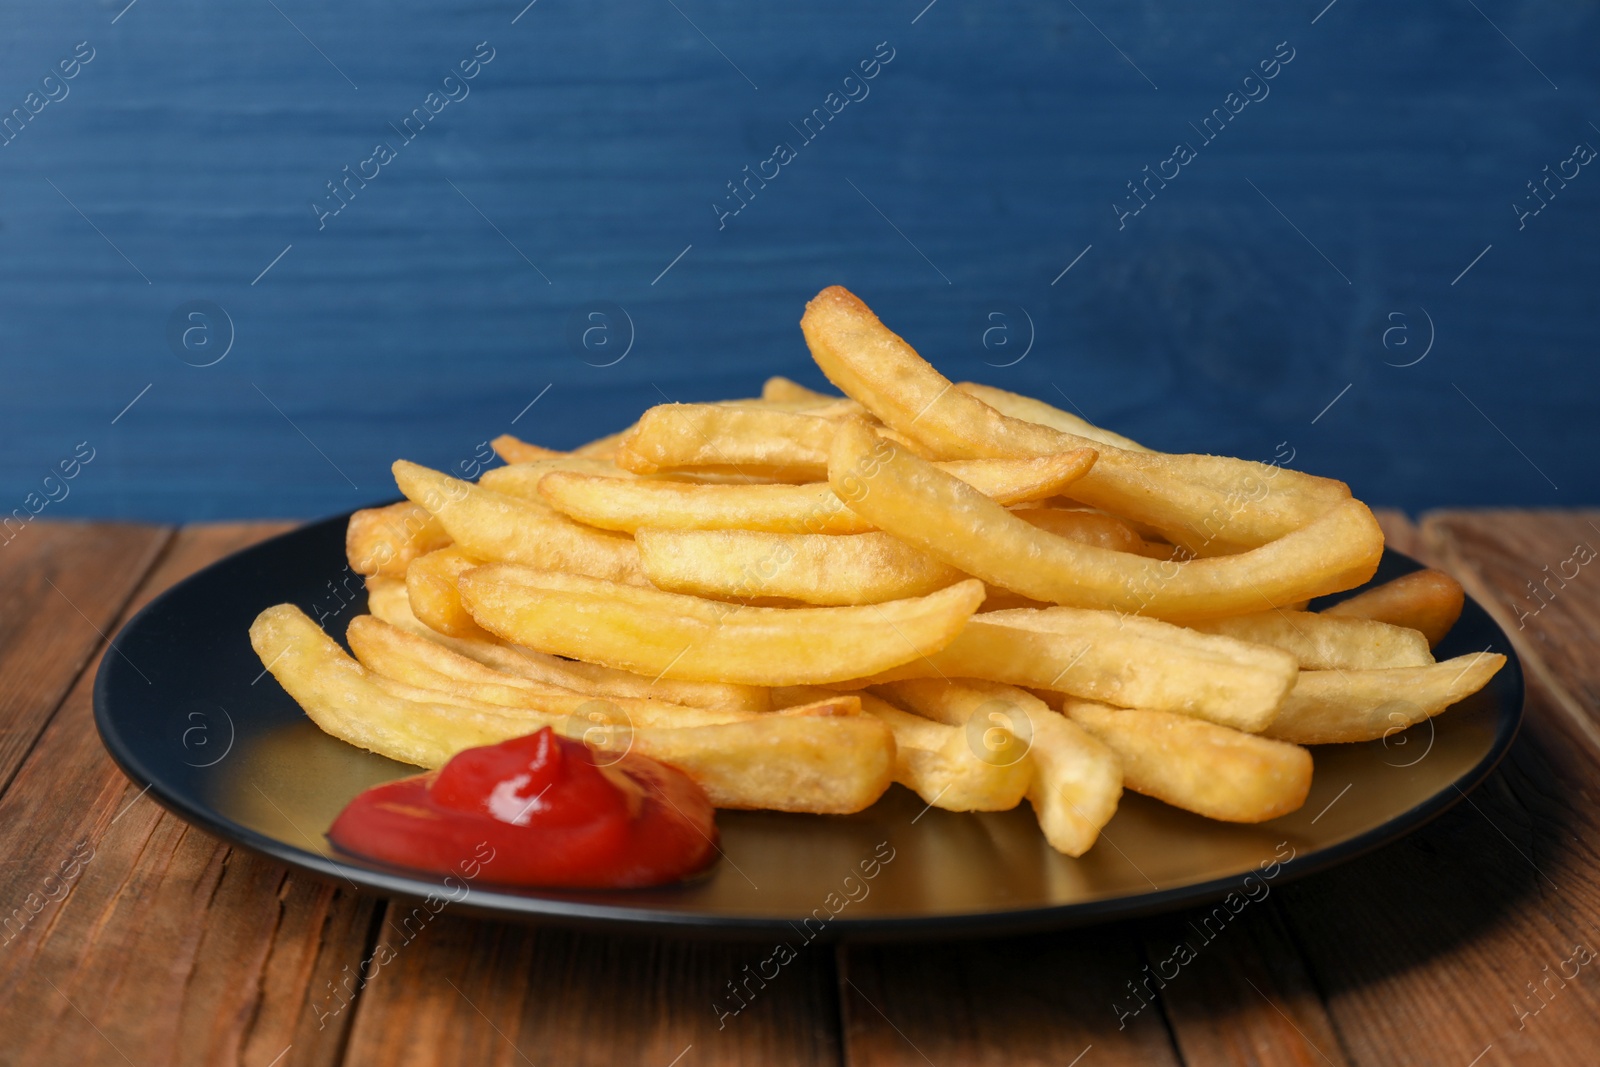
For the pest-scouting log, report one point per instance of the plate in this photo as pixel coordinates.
(183, 705)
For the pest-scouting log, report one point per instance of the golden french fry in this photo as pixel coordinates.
(783, 391)
(495, 526)
(522, 479)
(823, 764)
(384, 541)
(515, 450)
(387, 600)
(1199, 766)
(431, 589)
(1026, 408)
(809, 763)
(832, 705)
(1120, 659)
(628, 505)
(1077, 780)
(1429, 601)
(415, 661)
(906, 496)
(677, 636)
(866, 568)
(943, 767)
(674, 436)
(1208, 504)
(1091, 528)
(1327, 642)
(1329, 707)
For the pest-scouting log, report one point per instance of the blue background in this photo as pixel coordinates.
(1303, 252)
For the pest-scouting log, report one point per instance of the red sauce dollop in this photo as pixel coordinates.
(552, 816)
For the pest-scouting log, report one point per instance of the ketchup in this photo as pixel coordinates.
(552, 816)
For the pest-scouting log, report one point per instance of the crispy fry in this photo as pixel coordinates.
(762, 439)
(384, 541)
(898, 493)
(1199, 766)
(795, 509)
(1091, 528)
(676, 636)
(522, 479)
(1026, 408)
(825, 569)
(1429, 601)
(386, 599)
(515, 450)
(431, 589)
(781, 390)
(494, 526)
(1324, 642)
(943, 767)
(1208, 504)
(1126, 660)
(823, 764)
(1329, 707)
(1077, 780)
(391, 652)
(827, 764)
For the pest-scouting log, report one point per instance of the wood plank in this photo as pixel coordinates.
(1514, 562)
(1244, 996)
(163, 946)
(1448, 948)
(61, 587)
(1049, 999)
(459, 990)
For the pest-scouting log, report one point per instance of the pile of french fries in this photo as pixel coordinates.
(800, 599)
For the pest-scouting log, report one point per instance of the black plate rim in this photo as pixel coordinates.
(620, 917)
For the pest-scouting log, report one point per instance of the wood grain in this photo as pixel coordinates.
(1022, 1001)
(1431, 950)
(460, 990)
(61, 587)
(163, 946)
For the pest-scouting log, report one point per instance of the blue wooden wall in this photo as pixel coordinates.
(1345, 232)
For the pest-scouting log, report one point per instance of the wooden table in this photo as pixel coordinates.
(134, 938)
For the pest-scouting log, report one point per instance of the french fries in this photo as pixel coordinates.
(1126, 660)
(492, 525)
(597, 499)
(896, 491)
(431, 591)
(1327, 642)
(677, 636)
(762, 439)
(1091, 528)
(1427, 601)
(1335, 707)
(824, 569)
(1026, 408)
(943, 558)
(1076, 779)
(1208, 504)
(515, 450)
(384, 541)
(824, 764)
(942, 766)
(781, 390)
(1199, 766)
(415, 661)
(387, 600)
